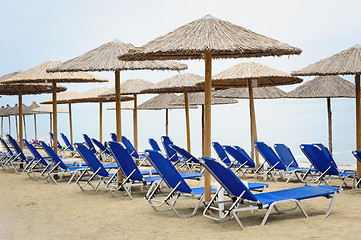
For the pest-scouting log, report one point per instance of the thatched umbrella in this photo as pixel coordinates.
(132, 86)
(251, 74)
(64, 98)
(180, 83)
(208, 38)
(4, 113)
(31, 108)
(325, 87)
(159, 102)
(13, 84)
(38, 74)
(15, 112)
(347, 62)
(197, 98)
(2, 109)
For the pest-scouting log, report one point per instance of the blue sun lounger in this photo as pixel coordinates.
(19, 159)
(97, 172)
(322, 160)
(60, 168)
(240, 155)
(68, 146)
(242, 199)
(180, 190)
(6, 156)
(221, 153)
(113, 137)
(104, 151)
(132, 174)
(60, 148)
(90, 144)
(39, 164)
(190, 161)
(276, 166)
(131, 149)
(357, 155)
(154, 144)
(171, 153)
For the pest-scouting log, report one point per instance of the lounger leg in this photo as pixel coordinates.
(237, 219)
(330, 206)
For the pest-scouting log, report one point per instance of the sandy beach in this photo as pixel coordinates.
(40, 210)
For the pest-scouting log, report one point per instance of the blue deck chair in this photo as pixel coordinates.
(40, 164)
(285, 155)
(154, 144)
(276, 166)
(113, 136)
(357, 155)
(60, 148)
(131, 172)
(100, 173)
(9, 153)
(221, 153)
(240, 155)
(131, 149)
(19, 159)
(170, 152)
(324, 164)
(190, 161)
(68, 146)
(180, 190)
(242, 199)
(90, 144)
(104, 151)
(60, 168)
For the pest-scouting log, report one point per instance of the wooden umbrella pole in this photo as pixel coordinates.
(51, 122)
(202, 130)
(101, 121)
(9, 126)
(20, 117)
(188, 128)
(2, 126)
(166, 121)
(253, 123)
(36, 132)
(26, 137)
(118, 114)
(71, 125)
(135, 122)
(16, 126)
(207, 121)
(55, 120)
(358, 120)
(329, 115)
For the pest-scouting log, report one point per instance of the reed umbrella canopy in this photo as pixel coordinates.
(325, 87)
(258, 93)
(208, 38)
(347, 62)
(197, 98)
(38, 74)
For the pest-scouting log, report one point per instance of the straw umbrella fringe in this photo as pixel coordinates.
(208, 38)
(347, 62)
(38, 74)
(252, 74)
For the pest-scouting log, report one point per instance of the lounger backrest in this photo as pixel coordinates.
(100, 146)
(269, 155)
(285, 155)
(66, 141)
(92, 161)
(357, 154)
(5, 145)
(56, 159)
(89, 142)
(318, 159)
(229, 181)
(167, 171)
(125, 160)
(185, 153)
(16, 147)
(154, 144)
(221, 153)
(35, 152)
(131, 149)
(113, 136)
(327, 153)
(52, 139)
(239, 155)
(171, 153)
